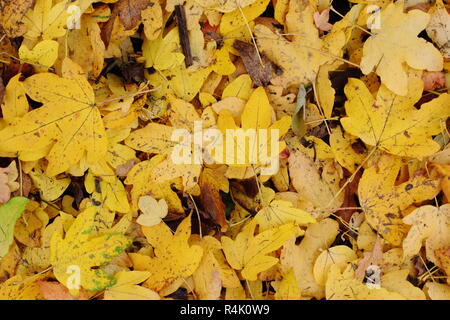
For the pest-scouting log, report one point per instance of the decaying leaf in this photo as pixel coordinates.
(384, 202)
(81, 249)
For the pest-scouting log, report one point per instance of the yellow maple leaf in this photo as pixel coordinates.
(239, 17)
(318, 185)
(163, 53)
(384, 202)
(224, 5)
(212, 272)
(337, 255)
(17, 288)
(287, 288)
(152, 18)
(107, 189)
(280, 212)
(50, 188)
(223, 64)
(319, 236)
(159, 139)
(249, 253)
(344, 286)
(341, 144)
(430, 225)
(300, 58)
(15, 102)
(139, 177)
(81, 249)
(394, 42)
(174, 258)
(44, 53)
(256, 117)
(127, 288)
(184, 83)
(47, 20)
(87, 39)
(69, 116)
(391, 122)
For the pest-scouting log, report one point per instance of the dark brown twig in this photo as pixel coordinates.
(183, 33)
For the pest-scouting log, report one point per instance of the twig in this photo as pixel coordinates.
(198, 216)
(251, 35)
(184, 36)
(20, 178)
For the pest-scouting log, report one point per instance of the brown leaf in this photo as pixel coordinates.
(25, 188)
(213, 205)
(56, 291)
(370, 258)
(351, 191)
(260, 74)
(129, 12)
(11, 14)
(211, 182)
(133, 72)
(123, 169)
(15, 68)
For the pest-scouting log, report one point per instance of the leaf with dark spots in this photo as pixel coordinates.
(261, 73)
(11, 14)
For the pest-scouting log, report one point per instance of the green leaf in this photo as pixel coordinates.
(9, 213)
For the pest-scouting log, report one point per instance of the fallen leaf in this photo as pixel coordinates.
(248, 253)
(391, 122)
(396, 43)
(153, 211)
(384, 202)
(174, 257)
(80, 249)
(68, 106)
(438, 28)
(428, 225)
(127, 287)
(9, 213)
(56, 291)
(258, 66)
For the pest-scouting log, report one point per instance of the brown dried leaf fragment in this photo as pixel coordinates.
(260, 73)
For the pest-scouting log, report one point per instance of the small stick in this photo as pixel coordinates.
(183, 33)
(198, 216)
